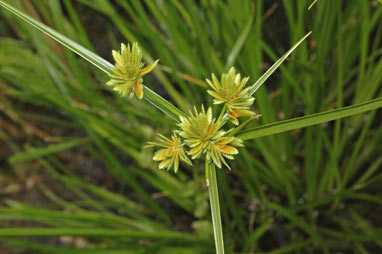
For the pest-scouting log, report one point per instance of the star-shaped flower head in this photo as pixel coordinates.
(204, 136)
(172, 151)
(128, 71)
(231, 91)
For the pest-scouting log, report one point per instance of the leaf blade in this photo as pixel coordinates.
(164, 105)
(96, 232)
(269, 72)
(300, 223)
(239, 43)
(305, 121)
(94, 59)
(35, 153)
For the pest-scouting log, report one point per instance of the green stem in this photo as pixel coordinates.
(215, 208)
(242, 125)
(222, 113)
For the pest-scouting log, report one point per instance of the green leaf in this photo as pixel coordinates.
(312, 4)
(239, 43)
(100, 232)
(305, 121)
(350, 236)
(153, 98)
(269, 72)
(299, 222)
(291, 248)
(255, 236)
(75, 47)
(35, 153)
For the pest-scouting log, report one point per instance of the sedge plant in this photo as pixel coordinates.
(200, 134)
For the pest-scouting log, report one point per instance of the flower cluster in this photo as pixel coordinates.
(172, 151)
(232, 92)
(200, 134)
(203, 134)
(128, 71)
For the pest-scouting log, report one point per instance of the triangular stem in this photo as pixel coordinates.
(215, 207)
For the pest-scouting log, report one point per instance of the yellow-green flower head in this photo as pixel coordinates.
(231, 90)
(219, 149)
(128, 70)
(204, 136)
(172, 151)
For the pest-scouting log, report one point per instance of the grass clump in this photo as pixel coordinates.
(71, 152)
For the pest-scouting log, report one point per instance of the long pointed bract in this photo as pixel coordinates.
(152, 97)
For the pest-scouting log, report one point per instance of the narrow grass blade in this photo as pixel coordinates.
(312, 4)
(350, 236)
(93, 58)
(299, 222)
(35, 153)
(75, 47)
(269, 72)
(291, 248)
(130, 248)
(45, 248)
(239, 43)
(100, 232)
(305, 121)
(253, 238)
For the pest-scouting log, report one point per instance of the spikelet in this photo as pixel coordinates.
(128, 71)
(172, 151)
(231, 90)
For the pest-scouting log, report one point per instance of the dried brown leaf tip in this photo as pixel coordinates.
(128, 71)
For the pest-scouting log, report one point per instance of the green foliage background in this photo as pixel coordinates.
(75, 179)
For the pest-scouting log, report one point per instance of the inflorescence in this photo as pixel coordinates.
(128, 71)
(200, 134)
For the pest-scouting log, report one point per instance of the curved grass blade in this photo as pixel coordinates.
(350, 236)
(94, 59)
(269, 72)
(98, 232)
(132, 248)
(255, 236)
(35, 153)
(239, 43)
(300, 223)
(305, 121)
(292, 248)
(155, 99)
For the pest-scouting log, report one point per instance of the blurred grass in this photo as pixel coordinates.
(302, 191)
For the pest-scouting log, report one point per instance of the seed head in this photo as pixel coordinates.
(231, 91)
(203, 135)
(172, 151)
(128, 71)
